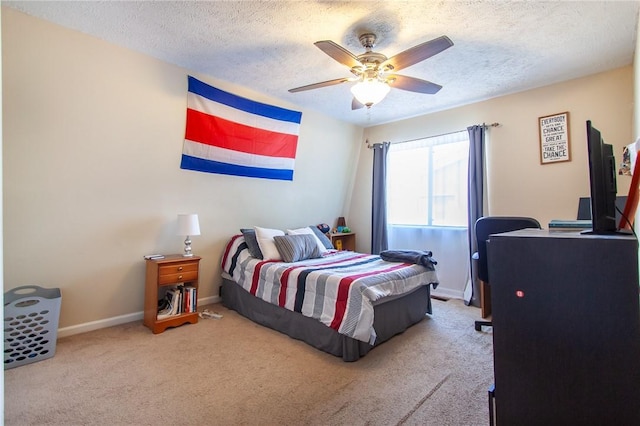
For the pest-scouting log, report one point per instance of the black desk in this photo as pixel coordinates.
(566, 328)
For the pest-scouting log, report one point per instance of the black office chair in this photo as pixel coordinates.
(484, 227)
(584, 208)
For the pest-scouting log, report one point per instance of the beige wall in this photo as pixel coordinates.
(636, 112)
(636, 86)
(1, 230)
(517, 183)
(92, 142)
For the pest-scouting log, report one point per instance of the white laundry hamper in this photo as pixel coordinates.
(31, 316)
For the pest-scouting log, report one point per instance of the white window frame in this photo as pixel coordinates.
(429, 143)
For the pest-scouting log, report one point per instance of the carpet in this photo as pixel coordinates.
(231, 371)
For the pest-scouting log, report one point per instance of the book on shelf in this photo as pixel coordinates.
(171, 305)
(178, 300)
(191, 296)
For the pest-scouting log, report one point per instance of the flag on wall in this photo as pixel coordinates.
(232, 135)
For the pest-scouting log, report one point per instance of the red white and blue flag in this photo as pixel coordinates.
(232, 135)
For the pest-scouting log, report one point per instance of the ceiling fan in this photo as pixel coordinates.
(375, 73)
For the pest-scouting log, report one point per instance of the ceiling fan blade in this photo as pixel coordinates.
(338, 53)
(418, 53)
(413, 84)
(355, 104)
(319, 85)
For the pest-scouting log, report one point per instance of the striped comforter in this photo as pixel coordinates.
(338, 289)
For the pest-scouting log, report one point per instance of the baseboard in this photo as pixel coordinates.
(209, 300)
(122, 319)
(447, 293)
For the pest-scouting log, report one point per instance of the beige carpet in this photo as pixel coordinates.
(234, 372)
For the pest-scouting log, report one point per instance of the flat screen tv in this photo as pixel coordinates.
(602, 180)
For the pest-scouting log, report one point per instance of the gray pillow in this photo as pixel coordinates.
(295, 247)
(323, 238)
(252, 242)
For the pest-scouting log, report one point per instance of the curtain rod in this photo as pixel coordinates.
(484, 125)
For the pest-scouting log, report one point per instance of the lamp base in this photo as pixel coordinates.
(187, 248)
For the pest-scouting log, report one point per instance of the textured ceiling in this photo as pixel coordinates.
(500, 47)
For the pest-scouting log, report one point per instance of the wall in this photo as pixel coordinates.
(636, 86)
(636, 113)
(1, 231)
(517, 183)
(92, 142)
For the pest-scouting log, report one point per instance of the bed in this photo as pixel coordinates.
(341, 302)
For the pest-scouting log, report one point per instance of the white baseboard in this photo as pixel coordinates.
(122, 319)
(447, 293)
(209, 300)
(137, 316)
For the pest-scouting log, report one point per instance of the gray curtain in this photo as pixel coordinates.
(475, 200)
(379, 238)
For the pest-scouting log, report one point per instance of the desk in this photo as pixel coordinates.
(566, 328)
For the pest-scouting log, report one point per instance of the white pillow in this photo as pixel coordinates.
(307, 230)
(267, 244)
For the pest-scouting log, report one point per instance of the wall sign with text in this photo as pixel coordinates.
(554, 138)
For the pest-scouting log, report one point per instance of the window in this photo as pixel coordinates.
(427, 181)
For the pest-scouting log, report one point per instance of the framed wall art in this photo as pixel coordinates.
(554, 138)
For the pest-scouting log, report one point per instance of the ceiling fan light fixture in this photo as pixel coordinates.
(373, 70)
(370, 91)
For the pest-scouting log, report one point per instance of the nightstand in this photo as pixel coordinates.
(173, 271)
(344, 240)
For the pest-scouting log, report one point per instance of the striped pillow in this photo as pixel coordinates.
(307, 230)
(293, 248)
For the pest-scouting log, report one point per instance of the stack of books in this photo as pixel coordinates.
(178, 300)
(569, 225)
(154, 256)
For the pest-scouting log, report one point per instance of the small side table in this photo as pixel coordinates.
(344, 240)
(172, 270)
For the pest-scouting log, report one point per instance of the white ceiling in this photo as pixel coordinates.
(500, 47)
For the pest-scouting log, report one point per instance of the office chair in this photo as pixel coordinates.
(584, 208)
(484, 227)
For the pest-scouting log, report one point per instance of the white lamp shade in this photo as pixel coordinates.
(370, 91)
(188, 224)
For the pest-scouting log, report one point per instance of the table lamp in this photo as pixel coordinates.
(188, 225)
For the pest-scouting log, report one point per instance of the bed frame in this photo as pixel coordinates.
(391, 317)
